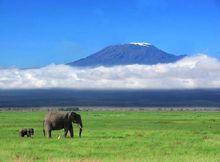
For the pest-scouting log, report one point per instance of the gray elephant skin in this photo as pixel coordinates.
(62, 120)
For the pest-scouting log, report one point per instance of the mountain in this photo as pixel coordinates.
(127, 54)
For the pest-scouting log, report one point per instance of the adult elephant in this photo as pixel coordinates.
(62, 120)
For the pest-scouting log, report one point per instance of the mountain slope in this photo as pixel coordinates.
(126, 54)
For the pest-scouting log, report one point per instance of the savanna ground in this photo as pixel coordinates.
(116, 136)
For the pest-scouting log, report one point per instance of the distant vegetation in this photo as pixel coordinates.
(108, 108)
(116, 136)
(119, 98)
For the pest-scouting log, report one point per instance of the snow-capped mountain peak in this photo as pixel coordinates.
(127, 54)
(140, 43)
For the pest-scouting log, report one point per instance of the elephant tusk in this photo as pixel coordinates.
(79, 126)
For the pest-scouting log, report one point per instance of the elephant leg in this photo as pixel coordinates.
(48, 130)
(28, 134)
(71, 132)
(65, 132)
(49, 133)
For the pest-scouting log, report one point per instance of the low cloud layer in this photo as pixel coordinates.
(198, 71)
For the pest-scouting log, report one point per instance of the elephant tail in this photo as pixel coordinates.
(43, 128)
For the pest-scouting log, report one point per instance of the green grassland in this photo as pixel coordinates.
(116, 136)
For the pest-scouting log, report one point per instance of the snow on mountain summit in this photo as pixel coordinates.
(140, 43)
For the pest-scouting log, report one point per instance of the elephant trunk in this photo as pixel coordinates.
(80, 127)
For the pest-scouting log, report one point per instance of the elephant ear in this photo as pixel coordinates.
(71, 115)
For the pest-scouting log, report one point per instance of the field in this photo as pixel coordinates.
(116, 136)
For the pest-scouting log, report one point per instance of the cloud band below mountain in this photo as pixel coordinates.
(198, 71)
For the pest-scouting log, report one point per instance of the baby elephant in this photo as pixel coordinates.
(26, 132)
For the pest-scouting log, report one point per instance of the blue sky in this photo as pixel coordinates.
(36, 33)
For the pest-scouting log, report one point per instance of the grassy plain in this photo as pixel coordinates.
(116, 136)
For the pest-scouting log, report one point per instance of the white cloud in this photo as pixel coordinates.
(198, 71)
